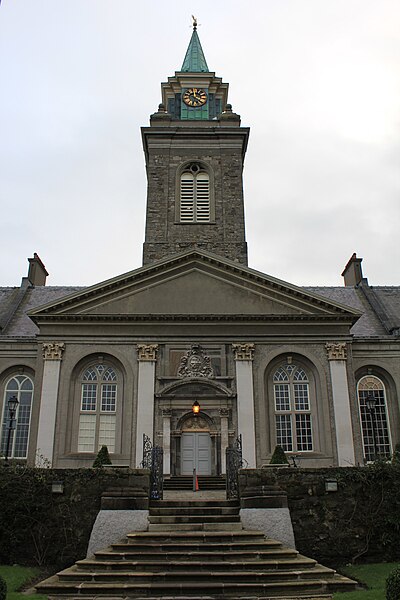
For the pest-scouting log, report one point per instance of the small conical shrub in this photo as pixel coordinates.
(279, 457)
(393, 585)
(396, 454)
(102, 458)
(3, 589)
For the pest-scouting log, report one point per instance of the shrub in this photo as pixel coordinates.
(3, 589)
(102, 458)
(396, 454)
(393, 585)
(279, 457)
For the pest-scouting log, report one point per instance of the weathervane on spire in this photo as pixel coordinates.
(194, 22)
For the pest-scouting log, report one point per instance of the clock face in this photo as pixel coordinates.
(195, 97)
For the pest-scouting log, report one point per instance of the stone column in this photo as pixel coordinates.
(52, 354)
(145, 398)
(337, 356)
(243, 354)
(224, 414)
(166, 413)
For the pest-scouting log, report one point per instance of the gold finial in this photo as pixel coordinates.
(194, 22)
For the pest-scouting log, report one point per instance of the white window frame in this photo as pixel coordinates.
(98, 410)
(20, 414)
(372, 384)
(287, 413)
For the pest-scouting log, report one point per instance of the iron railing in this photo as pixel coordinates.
(234, 462)
(153, 460)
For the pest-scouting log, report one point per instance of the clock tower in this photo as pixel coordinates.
(195, 149)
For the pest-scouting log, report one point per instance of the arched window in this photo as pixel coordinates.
(194, 195)
(98, 408)
(20, 386)
(293, 420)
(374, 422)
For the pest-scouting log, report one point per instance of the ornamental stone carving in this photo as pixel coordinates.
(196, 423)
(195, 363)
(336, 350)
(147, 352)
(243, 351)
(53, 350)
(224, 413)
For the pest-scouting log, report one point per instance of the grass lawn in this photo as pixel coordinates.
(374, 576)
(15, 578)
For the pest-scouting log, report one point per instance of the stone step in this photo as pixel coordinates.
(186, 576)
(222, 562)
(244, 535)
(186, 483)
(194, 510)
(283, 554)
(210, 588)
(203, 526)
(194, 503)
(199, 518)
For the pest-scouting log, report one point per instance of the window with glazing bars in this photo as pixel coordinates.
(97, 420)
(293, 419)
(21, 387)
(374, 421)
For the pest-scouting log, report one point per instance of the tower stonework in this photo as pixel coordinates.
(195, 149)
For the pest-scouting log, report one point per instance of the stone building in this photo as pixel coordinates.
(315, 370)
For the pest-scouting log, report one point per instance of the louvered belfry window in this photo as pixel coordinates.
(195, 195)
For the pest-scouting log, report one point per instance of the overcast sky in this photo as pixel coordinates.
(317, 81)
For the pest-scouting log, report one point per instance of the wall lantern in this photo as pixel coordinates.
(12, 405)
(57, 487)
(370, 403)
(331, 485)
(195, 408)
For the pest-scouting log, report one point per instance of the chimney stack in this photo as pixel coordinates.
(37, 271)
(352, 272)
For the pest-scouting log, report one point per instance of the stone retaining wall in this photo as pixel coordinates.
(359, 521)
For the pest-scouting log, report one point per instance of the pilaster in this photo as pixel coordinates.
(52, 355)
(224, 415)
(147, 356)
(243, 355)
(337, 357)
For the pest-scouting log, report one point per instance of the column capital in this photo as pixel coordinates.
(336, 350)
(53, 350)
(224, 413)
(243, 351)
(147, 352)
(166, 413)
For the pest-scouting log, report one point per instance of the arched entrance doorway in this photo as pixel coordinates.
(180, 429)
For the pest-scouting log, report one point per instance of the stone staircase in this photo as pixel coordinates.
(185, 482)
(196, 550)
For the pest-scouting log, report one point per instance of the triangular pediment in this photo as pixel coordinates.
(194, 284)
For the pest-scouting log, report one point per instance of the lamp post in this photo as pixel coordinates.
(370, 405)
(12, 404)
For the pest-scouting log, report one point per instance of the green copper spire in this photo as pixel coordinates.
(195, 61)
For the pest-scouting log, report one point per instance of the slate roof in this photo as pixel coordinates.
(368, 325)
(21, 324)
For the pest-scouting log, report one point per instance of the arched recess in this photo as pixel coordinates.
(97, 405)
(379, 419)
(216, 419)
(195, 201)
(296, 415)
(16, 381)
